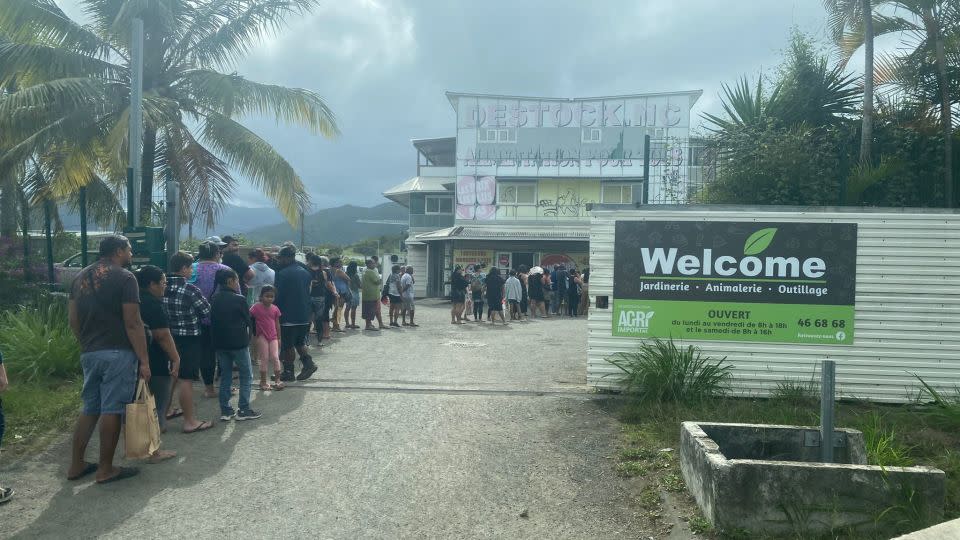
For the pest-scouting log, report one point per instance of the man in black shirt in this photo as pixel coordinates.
(232, 258)
(293, 283)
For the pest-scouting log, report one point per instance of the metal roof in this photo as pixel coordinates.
(440, 152)
(508, 232)
(418, 184)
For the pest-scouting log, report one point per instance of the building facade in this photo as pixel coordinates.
(512, 187)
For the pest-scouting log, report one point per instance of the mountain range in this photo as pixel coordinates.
(336, 226)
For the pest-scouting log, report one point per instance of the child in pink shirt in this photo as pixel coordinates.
(266, 340)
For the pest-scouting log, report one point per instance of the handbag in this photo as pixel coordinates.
(141, 430)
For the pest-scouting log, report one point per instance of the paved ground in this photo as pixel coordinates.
(440, 431)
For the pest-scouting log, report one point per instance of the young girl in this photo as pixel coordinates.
(266, 317)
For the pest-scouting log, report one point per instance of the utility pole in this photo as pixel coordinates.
(135, 132)
(302, 234)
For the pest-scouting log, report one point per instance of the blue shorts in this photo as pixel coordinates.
(109, 381)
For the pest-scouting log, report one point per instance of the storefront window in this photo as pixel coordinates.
(516, 194)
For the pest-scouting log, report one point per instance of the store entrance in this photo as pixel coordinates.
(524, 259)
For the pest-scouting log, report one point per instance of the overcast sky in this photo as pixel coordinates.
(383, 67)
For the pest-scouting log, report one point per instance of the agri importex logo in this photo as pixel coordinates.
(634, 321)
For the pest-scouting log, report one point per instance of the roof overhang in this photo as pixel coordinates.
(440, 152)
(419, 184)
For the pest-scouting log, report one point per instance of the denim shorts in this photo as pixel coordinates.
(109, 381)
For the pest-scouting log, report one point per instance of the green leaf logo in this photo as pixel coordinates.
(759, 241)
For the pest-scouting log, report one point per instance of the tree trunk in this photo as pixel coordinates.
(945, 116)
(866, 134)
(146, 174)
(8, 208)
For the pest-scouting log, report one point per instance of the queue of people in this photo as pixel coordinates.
(524, 292)
(199, 322)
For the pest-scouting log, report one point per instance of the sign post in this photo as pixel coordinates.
(735, 281)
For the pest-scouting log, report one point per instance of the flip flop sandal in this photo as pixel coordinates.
(175, 414)
(160, 456)
(88, 468)
(122, 474)
(205, 425)
(279, 387)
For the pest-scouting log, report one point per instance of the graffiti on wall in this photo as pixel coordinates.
(568, 204)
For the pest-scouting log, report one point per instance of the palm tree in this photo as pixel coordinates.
(851, 17)
(924, 25)
(75, 87)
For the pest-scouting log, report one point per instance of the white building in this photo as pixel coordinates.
(512, 187)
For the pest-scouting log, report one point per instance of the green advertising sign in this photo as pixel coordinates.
(735, 281)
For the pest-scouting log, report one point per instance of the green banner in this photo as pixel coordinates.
(732, 321)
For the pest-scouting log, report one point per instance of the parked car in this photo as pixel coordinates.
(67, 270)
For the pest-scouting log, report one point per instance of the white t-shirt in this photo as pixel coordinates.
(406, 280)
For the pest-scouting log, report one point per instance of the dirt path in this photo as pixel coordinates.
(440, 431)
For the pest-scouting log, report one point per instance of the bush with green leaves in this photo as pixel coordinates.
(660, 371)
(37, 342)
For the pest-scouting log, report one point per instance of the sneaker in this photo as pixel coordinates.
(227, 416)
(248, 414)
(307, 371)
(5, 494)
(287, 376)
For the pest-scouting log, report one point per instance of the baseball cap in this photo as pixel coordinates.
(227, 238)
(215, 240)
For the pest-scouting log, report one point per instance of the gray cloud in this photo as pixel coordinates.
(383, 66)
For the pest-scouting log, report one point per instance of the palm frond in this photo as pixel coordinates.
(229, 32)
(258, 161)
(205, 180)
(31, 63)
(42, 21)
(103, 206)
(233, 95)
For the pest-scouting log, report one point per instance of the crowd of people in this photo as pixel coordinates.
(199, 322)
(524, 292)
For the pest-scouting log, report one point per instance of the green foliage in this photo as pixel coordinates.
(660, 371)
(883, 445)
(946, 410)
(795, 392)
(35, 411)
(37, 342)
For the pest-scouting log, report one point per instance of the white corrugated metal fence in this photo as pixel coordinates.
(907, 306)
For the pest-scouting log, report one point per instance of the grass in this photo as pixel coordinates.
(660, 371)
(895, 436)
(35, 411)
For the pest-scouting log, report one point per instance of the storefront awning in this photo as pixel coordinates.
(508, 233)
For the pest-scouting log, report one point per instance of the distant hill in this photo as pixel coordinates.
(333, 226)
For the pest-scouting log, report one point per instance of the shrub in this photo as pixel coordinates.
(660, 371)
(37, 341)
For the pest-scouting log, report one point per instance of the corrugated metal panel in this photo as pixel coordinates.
(907, 307)
(417, 258)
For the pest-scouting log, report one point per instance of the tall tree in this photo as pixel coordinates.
(923, 25)
(856, 17)
(75, 95)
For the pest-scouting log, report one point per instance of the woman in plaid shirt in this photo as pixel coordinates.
(186, 307)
